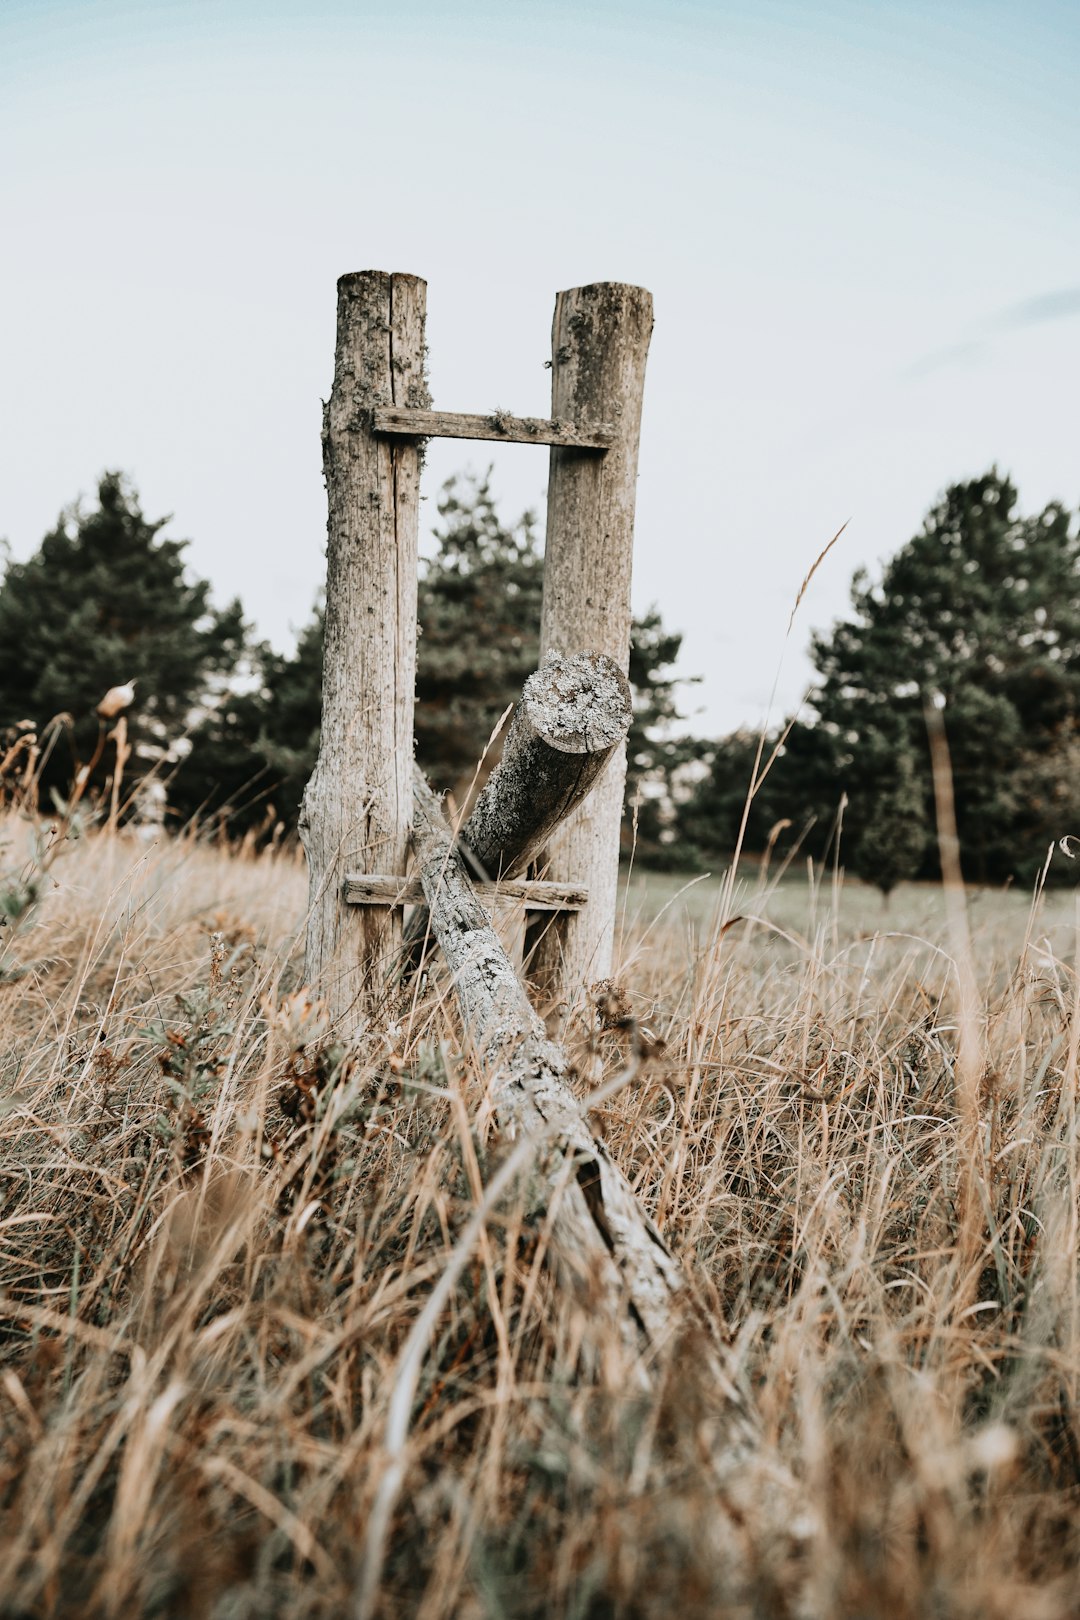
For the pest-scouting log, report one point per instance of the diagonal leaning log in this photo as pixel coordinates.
(601, 1235)
(601, 1232)
(573, 715)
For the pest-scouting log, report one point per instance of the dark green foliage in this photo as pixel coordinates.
(106, 600)
(657, 755)
(252, 754)
(983, 608)
(714, 811)
(895, 834)
(479, 640)
(793, 807)
(980, 610)
(479, 612)
(1046, 798)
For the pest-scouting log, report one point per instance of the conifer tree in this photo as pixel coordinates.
(479, 610)
(981, 610)
(892, 844)
(479, 640)
(106, 602)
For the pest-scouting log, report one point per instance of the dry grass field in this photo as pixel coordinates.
(216, 1231)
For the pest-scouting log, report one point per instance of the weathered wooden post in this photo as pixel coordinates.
(599, 345)
(357, 807)
(356, 812)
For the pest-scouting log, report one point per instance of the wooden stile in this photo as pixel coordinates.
(357, 807)
(357, 815)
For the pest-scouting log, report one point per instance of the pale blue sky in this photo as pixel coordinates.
(859, 223)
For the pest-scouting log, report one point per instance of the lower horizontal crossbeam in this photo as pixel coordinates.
(377, 889)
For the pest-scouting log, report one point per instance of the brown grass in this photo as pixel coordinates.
(216, 1233)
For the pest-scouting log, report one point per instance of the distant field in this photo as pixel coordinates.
(216, 1231)
(999, 918)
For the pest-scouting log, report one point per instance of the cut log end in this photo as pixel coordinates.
(353, 279)
(580, 704)
(574, 712)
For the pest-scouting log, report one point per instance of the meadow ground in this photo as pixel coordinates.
(216, 1231)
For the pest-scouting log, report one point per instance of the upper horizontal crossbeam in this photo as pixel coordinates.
(499, 426)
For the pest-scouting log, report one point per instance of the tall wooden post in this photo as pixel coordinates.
(600, 342)
(358, 804)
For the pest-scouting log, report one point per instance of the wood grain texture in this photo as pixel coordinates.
(357, 807)
(604, 1244)
(600, 343)
(499, 427)
(603, 1239)
(573, 715)
(536, 895)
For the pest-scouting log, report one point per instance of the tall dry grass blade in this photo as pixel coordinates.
(970, 1018)
(799, 1142)
(814, 566)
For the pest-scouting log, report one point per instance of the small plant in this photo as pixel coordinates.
(193, 1052)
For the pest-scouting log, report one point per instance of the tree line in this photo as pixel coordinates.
(230, 724)
(977, 616)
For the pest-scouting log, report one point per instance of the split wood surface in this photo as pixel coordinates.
(572, 717)
(573, 714)
(619, 1260)
(361, 890)
(357, 807)
(599, 345)
(616, 1255)
(499, 427)
(604, 1244)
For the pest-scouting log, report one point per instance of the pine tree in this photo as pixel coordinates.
(980, 610)
(106, 601)
(479, 629)
(658, 752)
(795, 803)
(479, 608)
(253, 751)
(479, 640)
(895, 833)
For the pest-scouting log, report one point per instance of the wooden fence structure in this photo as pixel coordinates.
(358, 807)
(558, 787)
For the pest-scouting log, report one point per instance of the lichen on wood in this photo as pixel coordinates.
(573, 714)
(599, 344)
(603, 1237)
(357, 805)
